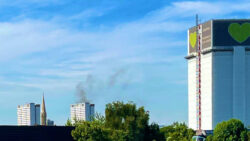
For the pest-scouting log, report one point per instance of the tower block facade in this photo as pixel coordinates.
(224, 72)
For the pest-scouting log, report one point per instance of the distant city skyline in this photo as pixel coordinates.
(33, 114)
(117, 50)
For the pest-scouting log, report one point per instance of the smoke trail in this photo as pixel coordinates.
(84, 88)
(114, 78)
(81, 92)
(92, 85)
(89, 82)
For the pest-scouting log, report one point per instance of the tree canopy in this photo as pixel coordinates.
(122, 122)
(126, 122)
(177, 132)
(90, 131)
(68, 123)
(231, 130)
(127, 117)
(248, 135)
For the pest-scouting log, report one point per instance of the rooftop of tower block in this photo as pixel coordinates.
(220, 34)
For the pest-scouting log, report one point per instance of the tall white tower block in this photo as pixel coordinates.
(225, 72)
(82, 111)
(28, 114)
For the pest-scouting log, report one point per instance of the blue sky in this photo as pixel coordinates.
(119, 50)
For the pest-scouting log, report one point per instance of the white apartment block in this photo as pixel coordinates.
(82, 111)
(28, 114)
(225, 74)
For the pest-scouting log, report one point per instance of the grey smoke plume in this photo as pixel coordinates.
(114, 78)
(91, 85)
(83, 88)
(89, 82)
(81, 92)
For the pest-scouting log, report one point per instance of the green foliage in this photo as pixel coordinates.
(123, 122)
(243, 136)
(72, 123)
(98, 117)
(117, 135)
(209, 138)
(153, 133)
(90, 131)
(177, 132)
(231, 130)
(68, 123)
(128, 118)
(248, 135)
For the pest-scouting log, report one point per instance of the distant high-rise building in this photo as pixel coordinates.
(49, 122)
(28, 114)
(92, 110)
(82, 111)
(43, 113)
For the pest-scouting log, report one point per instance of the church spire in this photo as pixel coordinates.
(43, 113)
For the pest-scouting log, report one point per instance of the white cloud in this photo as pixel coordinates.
(29, 36)
(124, 44)
(38, 83)
(190, 7)
(178, 11)
(63, 73)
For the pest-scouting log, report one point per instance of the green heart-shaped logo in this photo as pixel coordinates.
(239, 33)
(192, 39)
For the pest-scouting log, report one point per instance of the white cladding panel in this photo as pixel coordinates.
(192, 93)
(206, 91)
